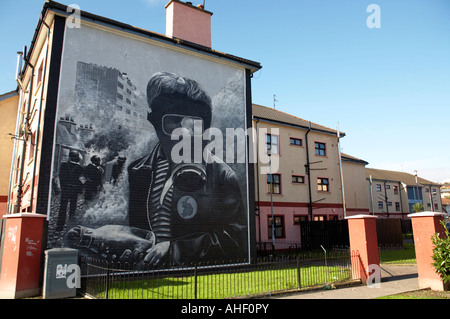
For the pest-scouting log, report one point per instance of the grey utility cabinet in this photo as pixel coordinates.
(61, 274)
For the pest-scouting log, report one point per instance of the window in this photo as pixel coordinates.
(120, 85)
(320, 148)
(298, 179)
(395, 190)
(388, 186)
(319, 218)
(380, 205)
(414, 193)
(272, 144)
(389, 203)
(323, 184)
(378, 187)
(299, 219)
(40, 73)
(295, 141)
(32, 146)
(436, 206)
(397, 206)
(274, 181)
(279, 227)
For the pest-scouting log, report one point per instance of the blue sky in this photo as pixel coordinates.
(388, 87)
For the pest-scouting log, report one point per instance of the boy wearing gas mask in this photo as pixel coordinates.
(194, 208)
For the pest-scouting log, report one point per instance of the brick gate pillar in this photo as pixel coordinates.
(362, 231)
(426, 225)
(21, 255)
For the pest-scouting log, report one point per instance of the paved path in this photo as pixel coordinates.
(394, 279)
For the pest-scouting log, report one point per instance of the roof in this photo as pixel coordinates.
(276, 116)
(352, 159)
(405, 178)
(8, 95)
(62, 9)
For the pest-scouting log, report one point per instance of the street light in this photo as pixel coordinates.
(269, 153)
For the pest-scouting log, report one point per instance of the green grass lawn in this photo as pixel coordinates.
(407, 255)
(239, 284)
(227, 285)
(420, 294)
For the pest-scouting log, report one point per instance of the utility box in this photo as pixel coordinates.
(62, 273)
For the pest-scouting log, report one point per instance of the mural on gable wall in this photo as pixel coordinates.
(118, 191)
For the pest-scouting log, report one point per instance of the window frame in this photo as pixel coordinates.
(281, 226)
(269, 185)
(272, 144)
(316, 149)
(321, 184)
(295, 175)
(295, 139)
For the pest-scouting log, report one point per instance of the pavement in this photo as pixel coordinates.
(395, 279)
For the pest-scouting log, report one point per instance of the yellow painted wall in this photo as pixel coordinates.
(8, 110)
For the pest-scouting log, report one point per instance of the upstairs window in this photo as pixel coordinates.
(295, 141)
(320, 148)
(272, 144)
(274, 183)
(297, 179)
(323, 184)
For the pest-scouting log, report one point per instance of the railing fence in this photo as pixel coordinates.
(239, 279)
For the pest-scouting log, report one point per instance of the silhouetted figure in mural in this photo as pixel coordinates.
(71, 186)
(93, 174)
(178, 211)
(117, 169)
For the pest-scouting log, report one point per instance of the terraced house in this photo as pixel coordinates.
(303, 180)
(393, 194)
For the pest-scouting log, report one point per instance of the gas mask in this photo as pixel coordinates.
(187, 177)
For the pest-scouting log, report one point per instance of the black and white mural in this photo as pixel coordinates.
(142, 169)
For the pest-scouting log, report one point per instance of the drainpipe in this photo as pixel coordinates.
(400, 196)
(38, 129)
(308, 172)
(25, 138)
(341, 174)
(16, 133)
(386, 199)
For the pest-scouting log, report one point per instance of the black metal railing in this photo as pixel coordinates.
(240, 279)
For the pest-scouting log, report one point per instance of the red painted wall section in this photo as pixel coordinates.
(425, 225)
(363, 239)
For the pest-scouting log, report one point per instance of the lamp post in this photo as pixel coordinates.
(269, 153)
(417, 186)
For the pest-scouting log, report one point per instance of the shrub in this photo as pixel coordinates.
(441, 254)
(418, 207)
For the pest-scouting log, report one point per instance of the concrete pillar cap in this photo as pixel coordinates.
(361, 216)
(426, 214)
(21, 215)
